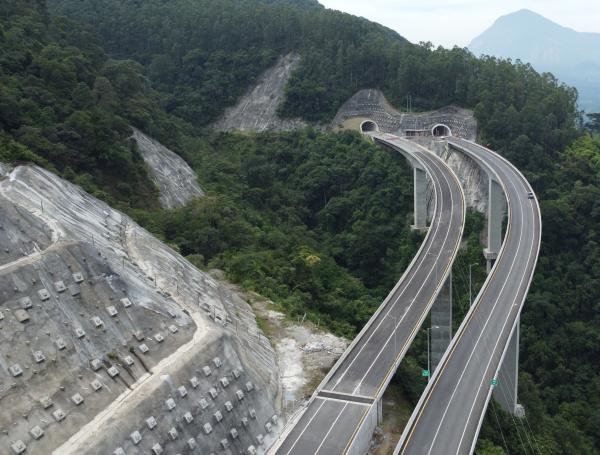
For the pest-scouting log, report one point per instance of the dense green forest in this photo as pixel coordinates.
(289, 214)
(203, 53)
(316, 222)
(66, 105)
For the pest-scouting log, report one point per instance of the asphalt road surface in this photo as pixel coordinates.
(339, 406)
(448, 416)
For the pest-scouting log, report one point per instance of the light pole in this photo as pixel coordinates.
(428, 361)
(470, 284)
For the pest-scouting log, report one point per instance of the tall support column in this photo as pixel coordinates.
(420, 208)
(505, 391)
(380, 411)
(494, 222)
(441, 323)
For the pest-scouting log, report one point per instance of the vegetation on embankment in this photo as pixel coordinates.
(317, 222)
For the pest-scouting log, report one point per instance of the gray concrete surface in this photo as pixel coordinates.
(20, 233)
(95, 290)
(257, 109)
(506, 393)
(449, 414)
(495, 216)
(175, 179)
(371, 104)
(420, 198)
(473, 179)
(440, 332)
(337, 418)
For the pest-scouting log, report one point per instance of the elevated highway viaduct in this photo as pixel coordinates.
(483, 356)
(342, 413)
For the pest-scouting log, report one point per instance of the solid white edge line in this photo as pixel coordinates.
(418, 256)
(526, 184)
(510, 311)
(476, 344)
(431, 384)
(438, 288)
(437, 160)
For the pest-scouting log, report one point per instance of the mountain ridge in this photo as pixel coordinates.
(572, 56)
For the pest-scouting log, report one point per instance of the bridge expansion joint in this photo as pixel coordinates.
(361, 399)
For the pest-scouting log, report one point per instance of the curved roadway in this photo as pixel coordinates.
(449, 414)
(338, 409)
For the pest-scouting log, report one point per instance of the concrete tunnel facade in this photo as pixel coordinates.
(368, 126)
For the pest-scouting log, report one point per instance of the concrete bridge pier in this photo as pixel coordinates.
(505, 392)
(420, 204)
(494, 222)
(441, 323)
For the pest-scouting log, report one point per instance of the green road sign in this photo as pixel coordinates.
(494, 381)
(425, 373)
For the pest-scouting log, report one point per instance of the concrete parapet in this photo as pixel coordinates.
(420, 199)
(505, 392)
(494, 222)
(441, 323)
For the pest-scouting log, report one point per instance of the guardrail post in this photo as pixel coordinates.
(420, 185)
(441, 323)
(494, 221)
(505, 392)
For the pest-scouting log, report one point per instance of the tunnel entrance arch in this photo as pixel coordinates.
(369, 126)
(441, 130)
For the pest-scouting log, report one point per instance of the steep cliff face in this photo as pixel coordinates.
(473, 179)
(111, 342)
(257, 110)
(176, 181)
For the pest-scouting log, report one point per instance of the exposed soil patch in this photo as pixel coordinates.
(305, 353)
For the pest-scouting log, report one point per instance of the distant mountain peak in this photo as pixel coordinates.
(572, 56)
(527, 13)
(529, 19)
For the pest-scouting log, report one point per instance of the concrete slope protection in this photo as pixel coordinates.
(342, 413)
(113, 343)
(257, 109)
(449, 414)
(175, 179)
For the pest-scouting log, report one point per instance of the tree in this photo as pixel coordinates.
(594, 122)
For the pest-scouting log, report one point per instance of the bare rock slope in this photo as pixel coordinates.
(257, 109)
(112, 343)
(472, 178)
(176, 181)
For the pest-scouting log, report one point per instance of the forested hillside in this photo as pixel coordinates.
(204, 53)
(65, 104)
(317, 222)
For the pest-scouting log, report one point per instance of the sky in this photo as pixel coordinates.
(456, 22)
